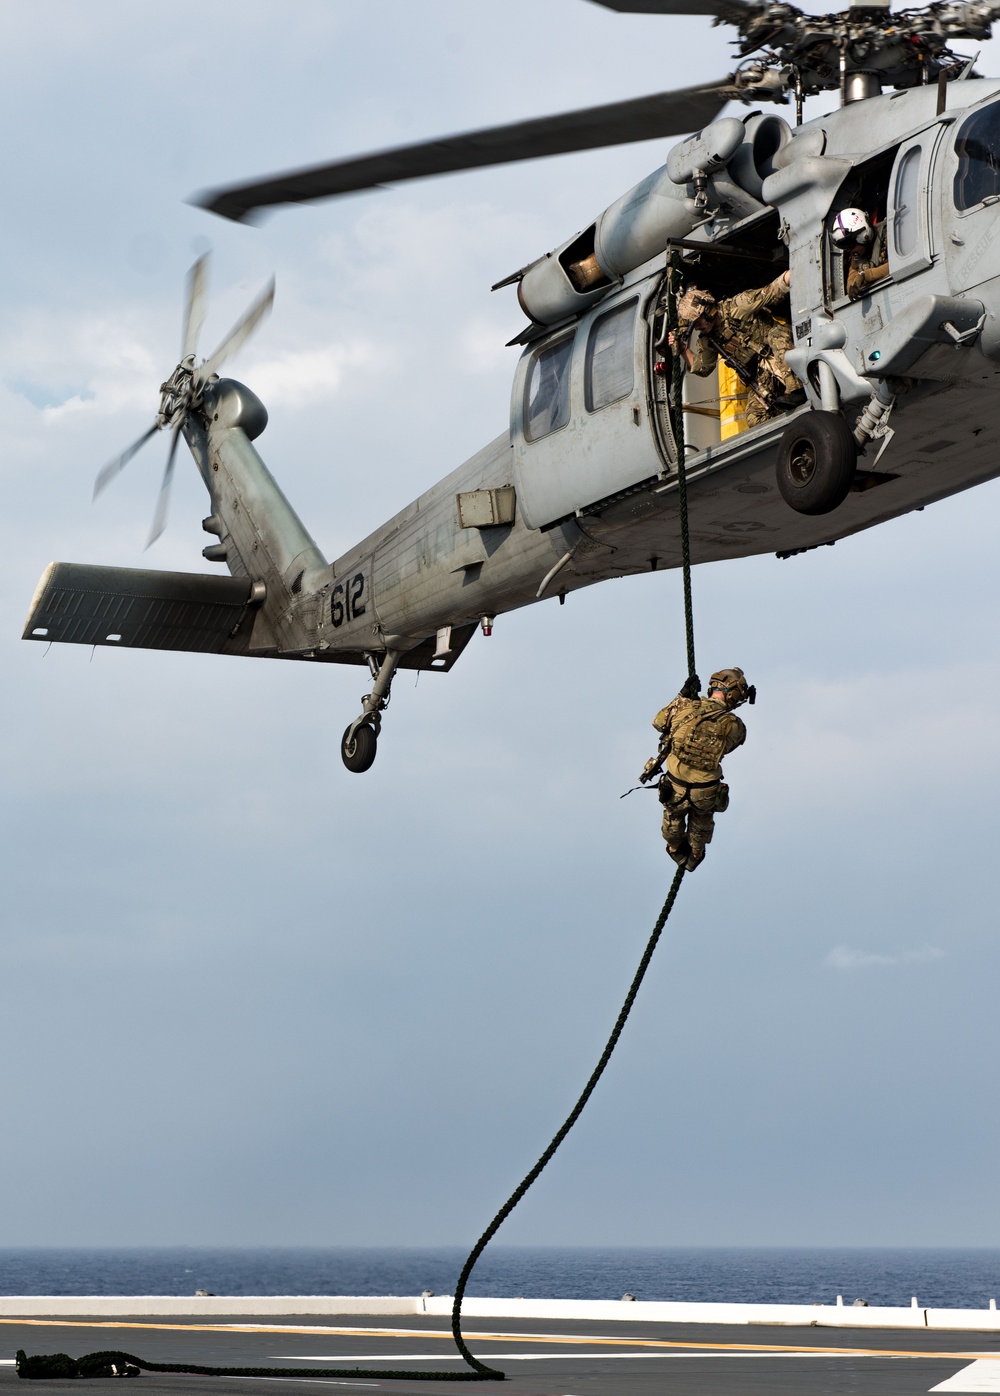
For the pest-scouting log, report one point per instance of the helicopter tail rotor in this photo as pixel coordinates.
(237, 336)
(181, 394)
(163, 499)
(195, 305)
(116, 466)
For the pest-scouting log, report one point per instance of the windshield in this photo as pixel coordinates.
(978, 148)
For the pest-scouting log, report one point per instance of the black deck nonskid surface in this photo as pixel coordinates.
(540, 1358)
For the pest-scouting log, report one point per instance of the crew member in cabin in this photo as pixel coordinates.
(863, 243)
(695, 734)
(749, 332)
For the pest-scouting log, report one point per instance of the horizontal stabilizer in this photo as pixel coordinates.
(135, 609)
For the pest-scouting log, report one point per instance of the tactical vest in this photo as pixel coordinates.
(737, 348)
(698, 737)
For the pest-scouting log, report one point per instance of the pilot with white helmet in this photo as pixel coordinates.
(864, 247)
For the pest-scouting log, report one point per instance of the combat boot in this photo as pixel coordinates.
(680, 854)
(695, 856)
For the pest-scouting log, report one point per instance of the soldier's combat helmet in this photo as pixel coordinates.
(734, 687)
(693, 305)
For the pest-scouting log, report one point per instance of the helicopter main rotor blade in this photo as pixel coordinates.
(119, 463)
(163, 500)
(617, 123)
(718, 9)
(195, 305)
(237, 336)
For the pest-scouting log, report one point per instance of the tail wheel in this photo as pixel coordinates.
(817, 458)
(358, 749)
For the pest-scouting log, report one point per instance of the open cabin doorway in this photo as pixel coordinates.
(750, 256)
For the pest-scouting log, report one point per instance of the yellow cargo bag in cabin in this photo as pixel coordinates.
(732, 402)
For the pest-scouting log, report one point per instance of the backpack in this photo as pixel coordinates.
(698, 737)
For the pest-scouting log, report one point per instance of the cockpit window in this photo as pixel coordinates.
(978, 148)
(547, 394)
(610, 368)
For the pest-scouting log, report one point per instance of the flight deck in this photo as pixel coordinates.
(540, 1357)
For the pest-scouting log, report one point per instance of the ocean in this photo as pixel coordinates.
(938, 1278)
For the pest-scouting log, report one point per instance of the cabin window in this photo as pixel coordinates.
(610, 367)
(547, 393)
(906, 223)
(978, 148)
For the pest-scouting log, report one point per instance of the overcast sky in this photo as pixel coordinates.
(251, 998)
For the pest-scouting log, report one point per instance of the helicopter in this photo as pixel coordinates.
(584, 485)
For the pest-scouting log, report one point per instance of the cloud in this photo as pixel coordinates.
(67, 366)
(847, 958)
(188, 872)
(483, 348)
(310, 375)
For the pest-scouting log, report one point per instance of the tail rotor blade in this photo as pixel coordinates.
(163, 502)
(195, 305)
(119, 463)
(238, 335)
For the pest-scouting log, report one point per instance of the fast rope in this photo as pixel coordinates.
(571, 1119)
(674, 278)
(57, 1366)
(107, 1364)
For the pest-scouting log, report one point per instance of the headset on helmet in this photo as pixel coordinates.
(734, 687)
(851, 228)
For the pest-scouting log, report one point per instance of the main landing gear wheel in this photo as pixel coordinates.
(358, 751)
(817, 458)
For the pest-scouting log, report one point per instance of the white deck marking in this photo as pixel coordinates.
(981, 1375)
(308, 1381)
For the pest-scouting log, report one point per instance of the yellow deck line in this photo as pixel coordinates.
(568, 1339)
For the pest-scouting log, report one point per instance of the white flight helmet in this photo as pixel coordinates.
(851, 228)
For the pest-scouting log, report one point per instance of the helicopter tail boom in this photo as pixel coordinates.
(259, 534)
(265, 607)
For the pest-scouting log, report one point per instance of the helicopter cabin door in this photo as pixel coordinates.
(579, 417)
(911, 247)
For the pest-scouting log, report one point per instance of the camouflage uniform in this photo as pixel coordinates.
(747, 335)
(698, 733)
(867, 264)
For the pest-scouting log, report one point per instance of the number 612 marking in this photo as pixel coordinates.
(346, 602)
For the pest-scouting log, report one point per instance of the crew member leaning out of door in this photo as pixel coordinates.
(748, 332)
